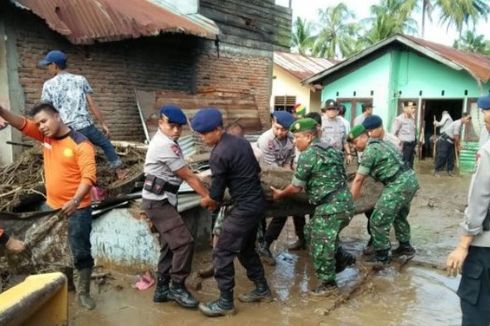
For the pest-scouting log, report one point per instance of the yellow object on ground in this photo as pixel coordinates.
(39, 300)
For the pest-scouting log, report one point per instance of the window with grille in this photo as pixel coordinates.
(284, 103)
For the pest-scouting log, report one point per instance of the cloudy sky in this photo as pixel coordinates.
(433, 31)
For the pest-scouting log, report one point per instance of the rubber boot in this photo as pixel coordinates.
(325, 289)
(179, 293)
(221, 307)
(82, 283)
(265, 253)
(404, 249)
(261, 293)
(380, 259)
(299, 244)
(162, 289)
(343, 259)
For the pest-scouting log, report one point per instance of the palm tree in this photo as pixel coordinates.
(337, 36)
(456, 12)
(472, 43)
(389, 18)
(302, 39)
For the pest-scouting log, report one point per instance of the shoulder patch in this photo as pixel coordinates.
(270, 144)
(176, 149)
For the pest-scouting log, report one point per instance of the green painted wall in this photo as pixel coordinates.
(374, 76)
(406, 72)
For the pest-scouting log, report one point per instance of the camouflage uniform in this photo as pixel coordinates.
(383, 162)
(321, 172)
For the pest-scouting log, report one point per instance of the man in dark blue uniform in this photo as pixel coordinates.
(233, 166)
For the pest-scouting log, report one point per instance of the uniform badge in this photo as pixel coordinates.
(271, 145)
(176, 150)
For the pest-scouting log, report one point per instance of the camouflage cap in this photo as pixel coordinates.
(305, 124)
(355, 132)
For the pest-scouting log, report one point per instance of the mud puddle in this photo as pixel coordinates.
(413, 296)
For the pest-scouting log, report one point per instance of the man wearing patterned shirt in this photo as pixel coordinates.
(71, 95)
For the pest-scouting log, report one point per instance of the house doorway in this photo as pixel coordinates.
(433, 109)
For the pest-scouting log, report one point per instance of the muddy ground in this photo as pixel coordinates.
(418, 294)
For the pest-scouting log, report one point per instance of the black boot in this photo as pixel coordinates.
(182, 296)
(380, 259)
(221, 307)
(162, 289)
(404, 249)
(265, 253)
(343, 259)
(326, 288)
(260, 293)
(299, 244)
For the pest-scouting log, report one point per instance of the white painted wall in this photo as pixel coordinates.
(284, 83)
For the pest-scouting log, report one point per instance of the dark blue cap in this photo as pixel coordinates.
(173, 114)
(484, 102)
(372, 122)
(56, 56)
(284, 118)
(207, 119)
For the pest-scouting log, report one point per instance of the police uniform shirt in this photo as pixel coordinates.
(359, 119)
(390, 138)
(233, 165)
(163, 158)
(476, 215)
(445, 122)
(333, 132)
(346, 124)
(454, 129)
(404, 128)
(484, 137)
(276, 152)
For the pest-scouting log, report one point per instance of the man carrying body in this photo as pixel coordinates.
(404, 130)
(333, 129)
(165, 169)
(374, 127)
(449, 141)
(321, 173)
(233, 165)
(277, 147)
(367, 110)
(71, 95)
(383, 162)
(69, 171)
(471, 257)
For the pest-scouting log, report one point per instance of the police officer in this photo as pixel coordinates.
(404, 128)
(383, 163)
(277, 148)
(374, 126)
(448, 142)
(472, 255)
(165, 169)
(320, 171)
(367, 111)
(333, 129)
(233, 165)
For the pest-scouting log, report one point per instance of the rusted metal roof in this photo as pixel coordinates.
(301, 66)
(88, 21)
(477, 65)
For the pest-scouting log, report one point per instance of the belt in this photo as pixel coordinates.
(445, 137)
(395, 176)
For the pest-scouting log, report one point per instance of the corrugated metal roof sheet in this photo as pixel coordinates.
(477, 65)
(88, 21)
(301, 66)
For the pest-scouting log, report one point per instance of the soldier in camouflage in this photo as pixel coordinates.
(320, 171)
(384, 163)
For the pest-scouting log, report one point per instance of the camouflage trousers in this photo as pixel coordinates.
(392, 208)
(322, 236)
